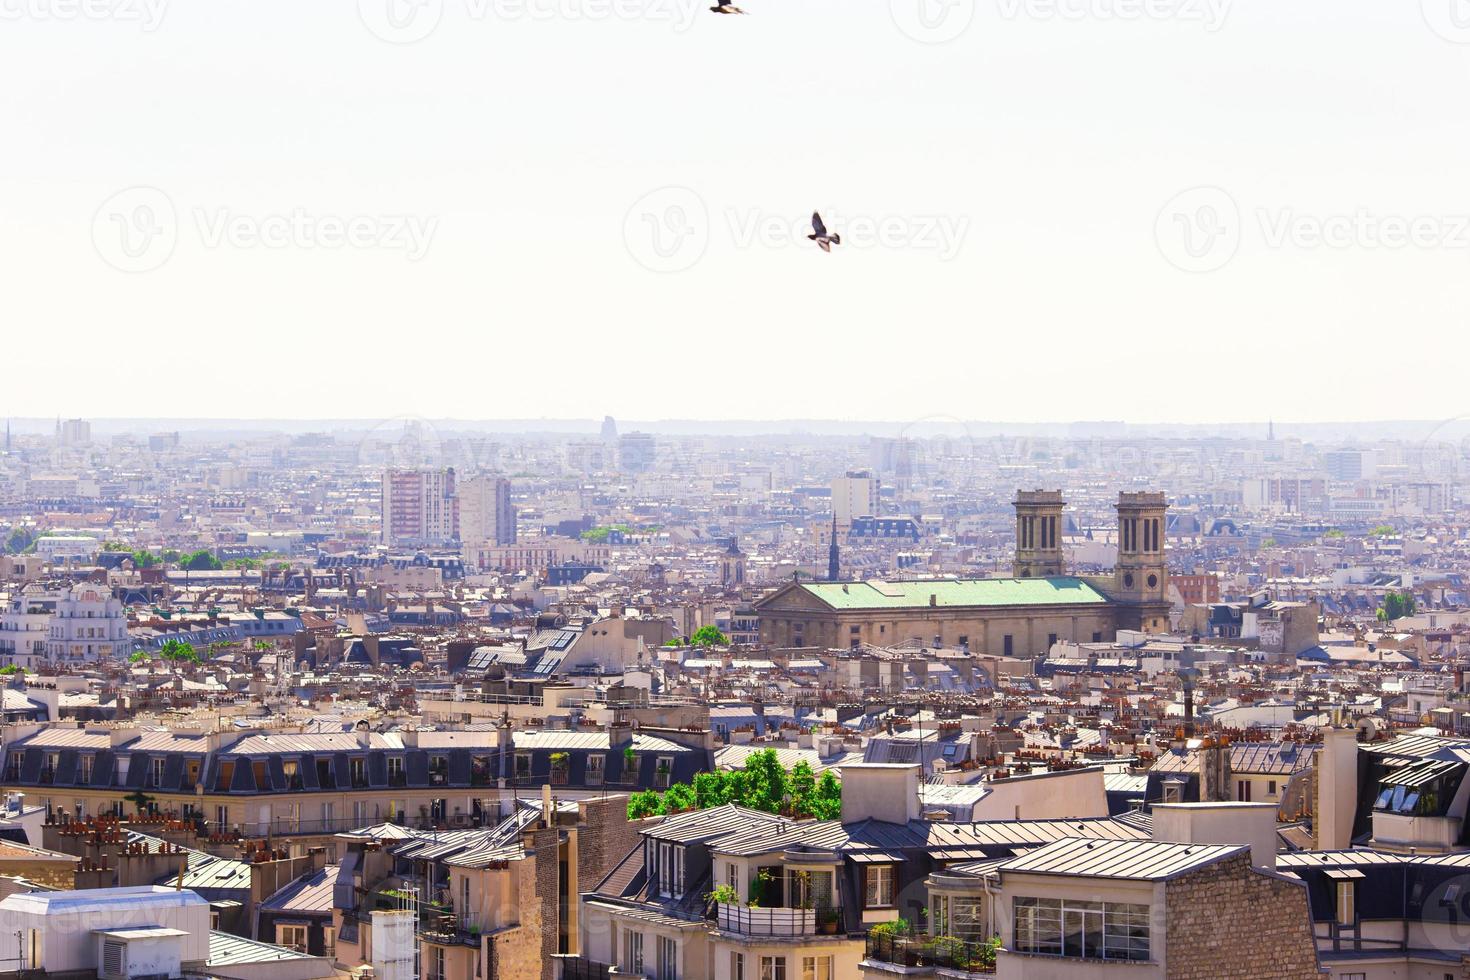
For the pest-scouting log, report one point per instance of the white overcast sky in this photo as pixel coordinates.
(530, 140)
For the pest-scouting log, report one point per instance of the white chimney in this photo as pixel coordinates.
(886, 792)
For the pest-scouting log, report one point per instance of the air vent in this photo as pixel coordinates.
(114, 960)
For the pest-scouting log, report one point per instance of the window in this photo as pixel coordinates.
(663, 773)
(595, 766)
(1096, 637)
(960, 916)
(438, 770)
(1008, 645)
(878, 886)
(737, 966)
(633, 952)
(292, 937)
(395, 771)
(1347, 912)
(773, 968)
(358, 771)
(523, 765)
(1271, 787)
(434, 967)
(732, 876)
(817, 968)
(155, 772)
(1090, 930)
(292, 770)
(224, 777)
(668, 959)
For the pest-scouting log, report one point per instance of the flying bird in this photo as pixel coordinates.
(819, 234)
(725, 7)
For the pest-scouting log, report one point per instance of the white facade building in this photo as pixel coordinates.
(25, 626)
(67, 547)
(89, 625)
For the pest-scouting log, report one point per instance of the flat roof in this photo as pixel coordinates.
(878, 594)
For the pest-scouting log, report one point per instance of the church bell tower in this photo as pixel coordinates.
(1141, 577)
(1039, 534)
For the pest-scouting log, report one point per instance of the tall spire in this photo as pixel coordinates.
(834, 559)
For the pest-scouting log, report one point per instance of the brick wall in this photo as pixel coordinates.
(1228, 920)
(605, 837)
(516, 954)
(546, 844)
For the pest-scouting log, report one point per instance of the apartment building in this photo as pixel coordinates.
(89, 625)
(420, 508)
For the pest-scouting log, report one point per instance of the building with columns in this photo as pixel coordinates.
(1021, 616)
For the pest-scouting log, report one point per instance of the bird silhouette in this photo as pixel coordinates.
(725, 7)
(820, 236)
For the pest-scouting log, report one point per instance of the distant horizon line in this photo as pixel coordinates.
(930, 426)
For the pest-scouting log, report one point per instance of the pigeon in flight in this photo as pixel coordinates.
(725, 7)
(819, 234)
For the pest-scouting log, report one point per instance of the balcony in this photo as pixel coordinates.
(935, 952)
(745, 920)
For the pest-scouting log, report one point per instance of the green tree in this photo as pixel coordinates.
(1382, 531)
(679, 798)
(645, 804)
(177, 651)
(801, 784)
(200, 561)
(19, 540)
(826, 799)
(138, 657)
(710, 790)
(765, 787)
(1396, 605)
(709, 636)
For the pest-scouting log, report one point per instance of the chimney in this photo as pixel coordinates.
(1337, 789)
(1250, 824)
(881, 791)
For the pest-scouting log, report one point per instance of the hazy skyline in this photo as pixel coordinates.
(1185, 211)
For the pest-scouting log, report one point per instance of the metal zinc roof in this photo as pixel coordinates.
(593, 741)
(228, 950)
(1061, 590)
(716, 823)
(274, 744)
(1423, 747)
(1333, 859)
(309, 893)
(65, 738)
(1140, 860)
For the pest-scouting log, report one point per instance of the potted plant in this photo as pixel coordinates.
(829, 921)
(724, 895)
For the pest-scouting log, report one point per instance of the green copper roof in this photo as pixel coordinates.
(963, 592)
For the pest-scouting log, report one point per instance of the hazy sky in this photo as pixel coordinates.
(1151, 210)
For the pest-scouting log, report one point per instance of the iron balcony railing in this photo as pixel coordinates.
(943, 952)
(748, 920)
